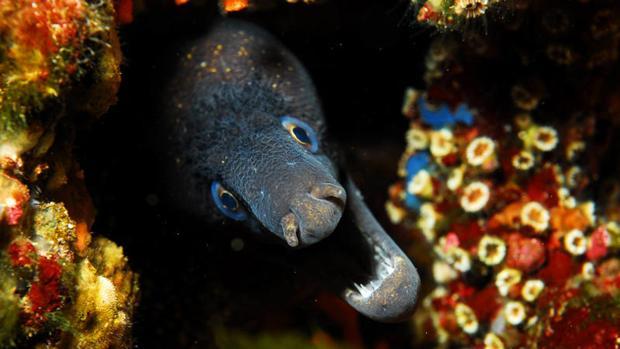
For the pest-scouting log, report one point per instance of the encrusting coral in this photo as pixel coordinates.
(498, 177)
(515, 248)
(79, 297)
(452, 14)
(59, 286)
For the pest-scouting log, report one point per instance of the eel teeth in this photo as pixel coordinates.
(363, 290)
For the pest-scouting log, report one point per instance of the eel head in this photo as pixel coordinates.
(279, 178)
(284, 184)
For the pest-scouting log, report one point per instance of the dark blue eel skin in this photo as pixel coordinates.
(227, 96)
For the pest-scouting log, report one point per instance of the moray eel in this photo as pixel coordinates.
(246, 139)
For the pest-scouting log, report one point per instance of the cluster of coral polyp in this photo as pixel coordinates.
(56, 286)
(46, 46)
(446, 14)
(59, 286)
(520, 255)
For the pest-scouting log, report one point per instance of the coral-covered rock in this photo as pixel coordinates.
(102, 310)
(48, 49)
(498, 251)
(87, 302)
(60, 59)
(515, 208)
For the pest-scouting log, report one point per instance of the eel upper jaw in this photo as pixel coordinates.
(389, 294)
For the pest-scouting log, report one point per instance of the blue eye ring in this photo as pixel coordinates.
(301, 132)
(227, 203)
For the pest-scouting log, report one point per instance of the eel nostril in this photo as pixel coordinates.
(289, 227)
(330, 192)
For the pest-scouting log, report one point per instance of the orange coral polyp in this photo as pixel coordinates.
(235, 5)
(44, 25)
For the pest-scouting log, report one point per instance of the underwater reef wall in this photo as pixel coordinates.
(510, 178)
(60, 285)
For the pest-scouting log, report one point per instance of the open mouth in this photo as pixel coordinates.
(366, 267)
(384, 267)
(390, 295)
(390, 291)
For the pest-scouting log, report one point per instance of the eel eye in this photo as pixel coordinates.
(227, 203)
(301, 132)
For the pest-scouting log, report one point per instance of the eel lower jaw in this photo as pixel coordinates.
(389, 293)
(391, 297)
(362, 264)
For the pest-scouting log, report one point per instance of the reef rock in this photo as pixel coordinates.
(518, 248)
(500, 179)
(59, 61)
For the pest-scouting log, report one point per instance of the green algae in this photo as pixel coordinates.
(9, 305)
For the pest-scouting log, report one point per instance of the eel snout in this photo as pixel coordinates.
(313, 215)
